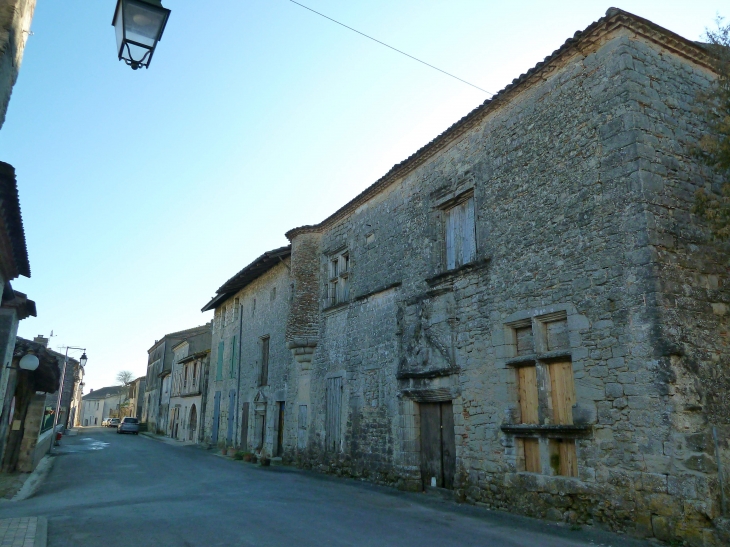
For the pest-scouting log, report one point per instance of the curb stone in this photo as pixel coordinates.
(35, 480)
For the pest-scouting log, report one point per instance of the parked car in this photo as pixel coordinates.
(112, 422)
(128, 425)
(105, 423)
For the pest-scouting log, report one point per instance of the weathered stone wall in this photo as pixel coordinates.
(15, 18)
(582, 187)
(263, 308)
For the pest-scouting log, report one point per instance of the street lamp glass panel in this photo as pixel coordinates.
(139, 25)
(29, 362)
(83, 360)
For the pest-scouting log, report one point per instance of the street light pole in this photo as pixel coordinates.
(82, 362)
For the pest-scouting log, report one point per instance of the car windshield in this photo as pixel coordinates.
(130, 420)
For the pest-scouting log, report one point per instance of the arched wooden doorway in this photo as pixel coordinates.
(192, 423)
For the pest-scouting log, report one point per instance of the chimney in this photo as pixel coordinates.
(91, 390)
(41, 340)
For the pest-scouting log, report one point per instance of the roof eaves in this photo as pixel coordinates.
(248, 274)
(13, 220)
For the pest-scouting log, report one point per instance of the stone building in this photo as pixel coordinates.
(15, 19)
(249, 383)
(26, 429)
(100, 404)
(187, 387)
(524, 311)
(155, 407)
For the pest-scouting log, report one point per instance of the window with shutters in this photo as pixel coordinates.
(264, 370)
(339, 278)
(460, 232)
(545, 392)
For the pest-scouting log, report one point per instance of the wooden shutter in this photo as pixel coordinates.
(469, 248)
(563, 458)
(527, 378)
(563, 392)
(531, 452)
(219, 368)
(333, 413)
(450, 240)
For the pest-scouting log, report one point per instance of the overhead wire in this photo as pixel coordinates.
(391, 47)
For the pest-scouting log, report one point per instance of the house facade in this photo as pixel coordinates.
(100, 404)
(249, 382)
(155, 409)
(524, 311)
(188, 387)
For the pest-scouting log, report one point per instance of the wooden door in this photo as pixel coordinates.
(280, 431)
(333, 415)
(438, 444)
(244, 426)
(216, 417)
(448, 444)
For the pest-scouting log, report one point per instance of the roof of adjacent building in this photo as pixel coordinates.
(12, 235)
(181, 335)
(47, 377)
(194, 356)
(248, 274)
(614, 18)
(103, 393)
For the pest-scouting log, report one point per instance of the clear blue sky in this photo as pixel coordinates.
(142, 192)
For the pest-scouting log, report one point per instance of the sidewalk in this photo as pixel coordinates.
(24, 532)
(166, 440)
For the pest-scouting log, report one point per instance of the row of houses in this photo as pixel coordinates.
(524, 311)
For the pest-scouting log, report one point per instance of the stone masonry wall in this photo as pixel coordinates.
(263, 308)
(15, 18)
(581, 188)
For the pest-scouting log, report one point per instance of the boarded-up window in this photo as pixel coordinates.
(219, 367)
(333, 414)
(264, 373)
(557, 335)
(527, 377)
(529, 448)
(460, 234)
(525, 343)
(529, 451)
(563, 458)
(562, 392)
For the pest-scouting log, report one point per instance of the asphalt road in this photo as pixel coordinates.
(125, 490)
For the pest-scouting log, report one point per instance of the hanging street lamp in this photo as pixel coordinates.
(139, 26)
